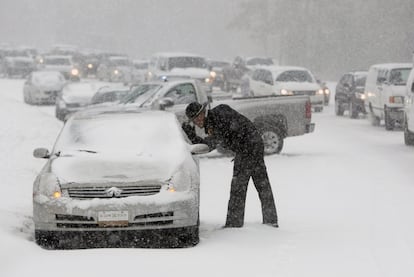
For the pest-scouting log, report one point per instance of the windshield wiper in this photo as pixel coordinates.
(87, 151)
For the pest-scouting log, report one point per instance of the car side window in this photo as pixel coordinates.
(382, 76)
(182, 94)
(255, 75)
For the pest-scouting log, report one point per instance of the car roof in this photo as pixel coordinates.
(177, 54)
(276, 69)
(392, 65)
(58, 56)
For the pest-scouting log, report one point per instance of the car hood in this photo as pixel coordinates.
(297, 86)
(191, 72)
(87, 168)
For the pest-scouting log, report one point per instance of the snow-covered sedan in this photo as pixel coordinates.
(42, 87)
(118, 179)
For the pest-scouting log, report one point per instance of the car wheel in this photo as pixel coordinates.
(339, 111)
(26, 98)
(272, 139)
(389, 122)
(408, 136)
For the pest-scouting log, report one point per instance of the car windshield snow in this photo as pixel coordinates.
(399, 76)
(121, 132)
(186, 62)
(295, 76)
(141, 93)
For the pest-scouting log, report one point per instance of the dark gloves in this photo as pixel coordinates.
(189, 130)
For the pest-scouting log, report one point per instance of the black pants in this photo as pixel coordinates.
(248, 165)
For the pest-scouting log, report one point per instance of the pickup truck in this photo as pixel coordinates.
(277, 117)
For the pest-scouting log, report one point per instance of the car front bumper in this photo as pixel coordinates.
(160, 211)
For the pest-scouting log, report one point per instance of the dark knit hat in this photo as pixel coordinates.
(194, 109)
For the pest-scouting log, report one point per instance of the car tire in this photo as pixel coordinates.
(389, 122)
(408, 136)
(339, 110)
(272, 139)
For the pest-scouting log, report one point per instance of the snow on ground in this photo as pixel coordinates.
(344, 196)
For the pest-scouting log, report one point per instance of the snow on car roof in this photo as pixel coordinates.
(393, 65)
(83, 88)
(177, 54)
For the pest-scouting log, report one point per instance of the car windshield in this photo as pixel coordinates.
(16, 53)
(120, 62)
(108, 96)
(141, 65)
(399, 76)
(141, 94)
(219, 64)
(122, 132)
(56, 61)
(295, 76)
(259, 61)
(360, 80)
(186, 62)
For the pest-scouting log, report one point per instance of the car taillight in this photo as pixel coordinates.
(308, 110)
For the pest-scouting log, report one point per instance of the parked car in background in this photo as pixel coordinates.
(63, 64)
(17, 63)
(139, 71)
(115, 69)
(75, 97)
(326, 91)
(106, 178)
(109, 94)
(385, 89)
(217, 67)
(233, 74)
(409, 110)
(286, 80)
(349, 94)
(42, 87)
(181, 65)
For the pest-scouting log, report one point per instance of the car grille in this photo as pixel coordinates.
(76, 221)
(105, 192)
(304, 92)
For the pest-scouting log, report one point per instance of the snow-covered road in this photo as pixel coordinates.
(344, 196)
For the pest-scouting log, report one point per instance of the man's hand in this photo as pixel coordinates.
(189, 130)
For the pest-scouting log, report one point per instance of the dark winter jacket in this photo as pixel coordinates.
(231, 129)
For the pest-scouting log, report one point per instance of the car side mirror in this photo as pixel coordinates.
(165, 103)
(199, 148)
(41, 153)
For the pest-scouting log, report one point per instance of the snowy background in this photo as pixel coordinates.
(344, 196)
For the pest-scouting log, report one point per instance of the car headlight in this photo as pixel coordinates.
(396, 99)
(320, 91)
(116, 71)
(360, 96)
(326, 91)
(49, 186)
(90, 66)
(285, 92)
(74, 72)
(213, 74)
(207, 80)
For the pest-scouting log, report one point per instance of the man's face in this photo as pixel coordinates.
(199, 120)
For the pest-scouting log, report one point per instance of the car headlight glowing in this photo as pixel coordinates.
(90, 66)
(57, 194)
(74, 72)
(169, 187)
(116, 71)
(326, 91)
(319, 91)
(213, 74)
(285, 92)
(207, 80)
(360, 96)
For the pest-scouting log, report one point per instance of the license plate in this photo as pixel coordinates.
(113, 218)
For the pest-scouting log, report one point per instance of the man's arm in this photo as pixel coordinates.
(192, 136)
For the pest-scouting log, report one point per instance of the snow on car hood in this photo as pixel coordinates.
(87, 168)
(80, 92)
(191, 72)
(295, 86)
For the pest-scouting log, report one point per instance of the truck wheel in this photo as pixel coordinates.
(339, 111)
(272, 139)
(389, 122)
(408, 136)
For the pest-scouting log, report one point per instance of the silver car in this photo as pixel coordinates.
(120, 179)
(42, 87)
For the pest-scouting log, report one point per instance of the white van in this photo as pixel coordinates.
(164, 66)
(409, 111)
(385, 92)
